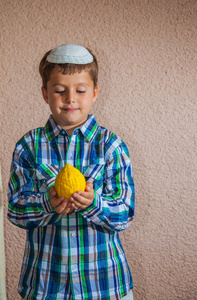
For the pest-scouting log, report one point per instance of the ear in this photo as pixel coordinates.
(95, 93)
(44, 94)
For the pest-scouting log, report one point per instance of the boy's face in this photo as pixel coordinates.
(70, 98)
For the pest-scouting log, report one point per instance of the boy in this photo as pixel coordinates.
(73, 250)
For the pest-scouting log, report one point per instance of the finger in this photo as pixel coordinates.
(81, 203)
(72, 209)
(65, 211)
(69, 208)
(61, 207)
(89, 186)
(55, 202)
(88, 194)
(73, 204)
(78, 199)
(52, 192)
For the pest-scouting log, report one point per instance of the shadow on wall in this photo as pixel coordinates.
(133, 238)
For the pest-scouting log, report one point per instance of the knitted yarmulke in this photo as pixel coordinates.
(70, 53)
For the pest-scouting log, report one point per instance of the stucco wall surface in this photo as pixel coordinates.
(147, 94)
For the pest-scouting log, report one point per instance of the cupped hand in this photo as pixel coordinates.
(82, 200)
(61, 205)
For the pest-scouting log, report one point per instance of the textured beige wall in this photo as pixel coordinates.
(147, 55)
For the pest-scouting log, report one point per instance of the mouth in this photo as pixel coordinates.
(69, 109)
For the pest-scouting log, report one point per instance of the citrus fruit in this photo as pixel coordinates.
(68, 181)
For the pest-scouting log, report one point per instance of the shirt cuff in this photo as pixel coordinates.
(93, 210)
(46, 203)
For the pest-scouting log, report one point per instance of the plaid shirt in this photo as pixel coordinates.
(77, 256)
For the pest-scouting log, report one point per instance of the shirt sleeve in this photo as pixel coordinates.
(29, 205)
(114, 208)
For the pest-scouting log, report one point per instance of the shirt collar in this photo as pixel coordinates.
(52, 129)
(88, 129)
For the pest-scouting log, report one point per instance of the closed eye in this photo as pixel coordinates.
(59, 92)
(81, 92)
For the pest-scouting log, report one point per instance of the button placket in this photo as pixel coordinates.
(73, 252)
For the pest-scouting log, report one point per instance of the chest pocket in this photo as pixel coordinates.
(46, 173)
(95, 174)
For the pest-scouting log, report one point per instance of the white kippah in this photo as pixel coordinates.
(70, 53)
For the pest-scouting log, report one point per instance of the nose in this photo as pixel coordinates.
(70, 96)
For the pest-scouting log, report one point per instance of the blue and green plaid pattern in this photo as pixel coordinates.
(78, 256)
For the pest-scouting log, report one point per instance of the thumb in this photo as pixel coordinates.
(89, 186)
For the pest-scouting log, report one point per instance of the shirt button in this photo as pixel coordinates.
(72, 234)
(74, 268)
